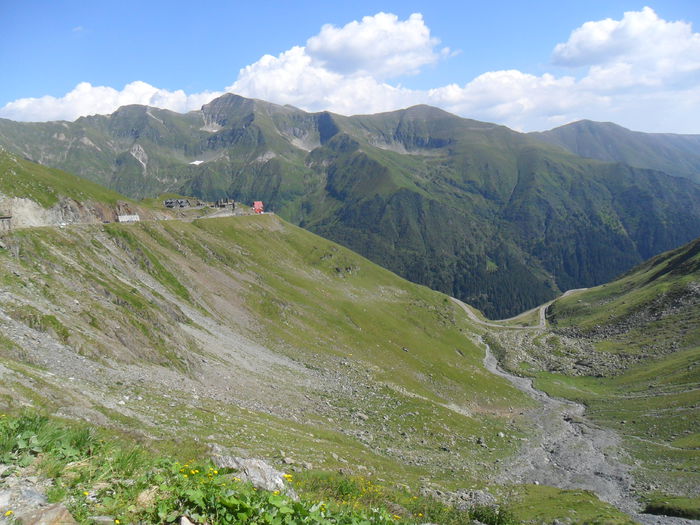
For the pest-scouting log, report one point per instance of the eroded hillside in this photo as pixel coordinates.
(209, 324)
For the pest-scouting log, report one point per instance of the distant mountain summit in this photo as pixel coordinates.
(501, 219)
(674, 154)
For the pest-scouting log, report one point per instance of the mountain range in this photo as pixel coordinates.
(501, 219)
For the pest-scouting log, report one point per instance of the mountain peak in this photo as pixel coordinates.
(592, 124)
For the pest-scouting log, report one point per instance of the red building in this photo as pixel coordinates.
(258, 207)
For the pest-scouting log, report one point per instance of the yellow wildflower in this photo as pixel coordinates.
(86, 493)
(9, 512)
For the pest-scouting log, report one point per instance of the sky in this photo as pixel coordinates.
(529, 65)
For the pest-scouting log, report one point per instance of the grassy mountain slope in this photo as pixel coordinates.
(257, 335)
(47, 187)
(472, 209)
(266, 323)
(34, 195)
(674, 154)
(648, 319)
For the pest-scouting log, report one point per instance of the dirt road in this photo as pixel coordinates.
(497, 324)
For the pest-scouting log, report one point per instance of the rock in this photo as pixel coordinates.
(362, 416)
(101, 520)
(185, 521)
(501, 435)
(462, 499)
(256, 471)
(288, 461)
(32, 497)
(475, 498)
(52, 515)
(5, 498)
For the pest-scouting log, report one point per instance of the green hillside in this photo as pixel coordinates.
(24, 179)
(677, 155)
(648, 322)
(322, 334)
(472, 209)
(259, 336)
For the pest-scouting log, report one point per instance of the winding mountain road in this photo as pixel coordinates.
(565, 449)
(542, 324)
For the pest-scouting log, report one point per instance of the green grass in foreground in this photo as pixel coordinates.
(94, 476)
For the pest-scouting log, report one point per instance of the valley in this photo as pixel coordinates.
(194, 331)
(343, 400)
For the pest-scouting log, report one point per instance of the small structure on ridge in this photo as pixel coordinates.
(128, 218)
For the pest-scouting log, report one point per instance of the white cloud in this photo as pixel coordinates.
(638, 36)
(86, 99)
(641, 48)
(341, 69)
(381, 46)
(293, 78)
(640, 71)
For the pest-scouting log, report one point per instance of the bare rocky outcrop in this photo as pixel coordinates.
(27, 213)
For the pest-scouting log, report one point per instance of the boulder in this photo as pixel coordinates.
(255, 471)
(52, 515)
